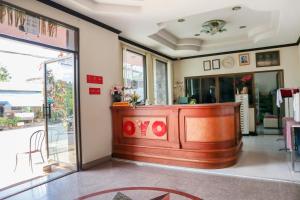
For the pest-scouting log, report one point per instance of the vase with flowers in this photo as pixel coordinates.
(133, 99)
(244, 83)
(117, 93)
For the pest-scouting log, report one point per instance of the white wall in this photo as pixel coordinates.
(289, 58)
(99, 55)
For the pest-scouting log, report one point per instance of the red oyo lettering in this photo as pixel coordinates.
(159, 128)
(144, 126)
(129, 128)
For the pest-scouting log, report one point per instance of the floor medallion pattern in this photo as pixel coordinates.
(140, 193)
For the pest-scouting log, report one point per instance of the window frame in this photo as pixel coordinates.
(145, 77)
(167, 80)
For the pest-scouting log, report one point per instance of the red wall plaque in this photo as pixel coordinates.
(94, 79)
(94, 91)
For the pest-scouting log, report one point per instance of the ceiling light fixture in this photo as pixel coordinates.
(236, 8)
(181, 20)
(213, 26)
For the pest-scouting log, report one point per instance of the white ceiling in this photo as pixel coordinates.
(153, 23)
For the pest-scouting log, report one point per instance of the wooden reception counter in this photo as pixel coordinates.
(201, 136)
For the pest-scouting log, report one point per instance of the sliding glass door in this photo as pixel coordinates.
(60, 112)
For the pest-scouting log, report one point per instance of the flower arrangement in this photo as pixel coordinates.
(133, 99)
(117, 93)
(243, 84)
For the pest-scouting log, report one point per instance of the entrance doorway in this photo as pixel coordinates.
(268, 115)
(38, 132)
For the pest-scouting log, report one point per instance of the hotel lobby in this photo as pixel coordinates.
(149, 100)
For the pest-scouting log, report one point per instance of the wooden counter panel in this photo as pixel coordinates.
(180, 157)
(209, 129)
(202, 136)
(153, 135)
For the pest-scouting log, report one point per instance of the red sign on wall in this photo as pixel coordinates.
(94, 91)
(94, 79)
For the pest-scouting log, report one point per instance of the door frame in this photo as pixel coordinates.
(77, 117)
(77, 106)
(46, 105)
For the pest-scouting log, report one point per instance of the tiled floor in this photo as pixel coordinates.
(119, 174)
(260, 158)
(260, 130)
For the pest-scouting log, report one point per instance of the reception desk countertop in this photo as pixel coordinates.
(201, 136)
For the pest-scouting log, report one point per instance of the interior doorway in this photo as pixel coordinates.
(38, 134)
(268, 115)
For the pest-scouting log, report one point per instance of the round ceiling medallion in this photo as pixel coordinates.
(228, 62)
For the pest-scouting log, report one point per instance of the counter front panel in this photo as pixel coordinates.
(202, 136)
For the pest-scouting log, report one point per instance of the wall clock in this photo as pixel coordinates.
(228, 62)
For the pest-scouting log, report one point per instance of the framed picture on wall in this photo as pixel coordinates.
(267, 59)
(216, 64)
(244, 59)
(206, 65)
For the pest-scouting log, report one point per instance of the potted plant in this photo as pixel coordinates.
(2, 123)
(117, 93)
(133, 99)
(244, 83)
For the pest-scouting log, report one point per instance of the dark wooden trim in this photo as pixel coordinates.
(240, 51)
(298, 41)
(95, 163)
(252, 134)
(37, 43)
(144, 47)
(79, 15)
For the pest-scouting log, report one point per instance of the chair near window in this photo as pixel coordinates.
(35, 146)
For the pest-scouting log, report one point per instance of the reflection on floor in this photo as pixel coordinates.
(117, 174)
(260, 159)
(17, 141)
(260, 130)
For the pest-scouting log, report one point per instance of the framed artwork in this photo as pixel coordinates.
(216, 64)
(267, 59)
(206, 65)
(244, 59)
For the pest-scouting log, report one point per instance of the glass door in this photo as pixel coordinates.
(60, 112)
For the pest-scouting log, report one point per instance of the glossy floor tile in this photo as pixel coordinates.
(260, 159)
(116, 174)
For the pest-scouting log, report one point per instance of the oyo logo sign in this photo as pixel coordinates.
(158, 128)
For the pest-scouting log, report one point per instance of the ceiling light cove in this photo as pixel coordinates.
(154, 23)
(221, 28)
(117, 7)
(168, 39)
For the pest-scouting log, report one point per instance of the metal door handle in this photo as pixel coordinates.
(49, 110)
(44, 111)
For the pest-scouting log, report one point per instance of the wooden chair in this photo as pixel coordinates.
(35, 146)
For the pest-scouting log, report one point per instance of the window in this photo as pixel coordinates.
(134, 73)
(161, 83)
(227, 93)
(220, 88)
(32, 27)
